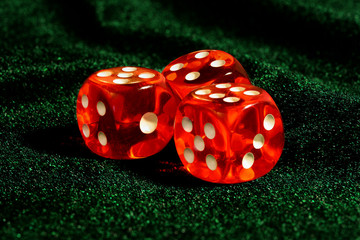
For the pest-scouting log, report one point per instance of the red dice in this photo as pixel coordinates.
(228, 132)
(202, 68)
(126, 112)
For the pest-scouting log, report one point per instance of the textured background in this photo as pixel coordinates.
(306, 54)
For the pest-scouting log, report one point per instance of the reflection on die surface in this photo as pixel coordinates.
(126, 112)
(228, 132)
(202, 68)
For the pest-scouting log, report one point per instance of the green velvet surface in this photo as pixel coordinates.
(305, 54)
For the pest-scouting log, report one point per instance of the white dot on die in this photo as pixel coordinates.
(269, 122)
(217, 63)
(176, 67)
(187, 124)
(101, 109)
(258, 141)
(199, 143)
(146, 75)
(86, 130)
(102, 138)
(223, 85)
(104, 74)
(121, 81)
(201, 55)
(228, 73)
(84, 101)
(148, 122)
(203, 92)
(125, 75)
(189, 155)
(251, 92)
(192, 76)
(237, 89)
(129, 69)
(231, 99)
(217, 95)
(248, 160)
(209, 131)
(211, 162)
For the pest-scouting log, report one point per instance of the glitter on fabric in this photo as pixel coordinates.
(305, 54)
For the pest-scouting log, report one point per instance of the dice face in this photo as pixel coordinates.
(126, 112)
(202, 68)
(228, 133)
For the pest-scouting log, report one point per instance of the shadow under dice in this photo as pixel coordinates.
(202, 68)
(228, 133)
(126, 112)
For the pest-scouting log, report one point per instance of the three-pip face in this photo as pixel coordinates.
(202, 68)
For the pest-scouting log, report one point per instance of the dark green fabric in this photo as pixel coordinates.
(304, 53)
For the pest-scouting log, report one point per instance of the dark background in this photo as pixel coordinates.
(304, 53)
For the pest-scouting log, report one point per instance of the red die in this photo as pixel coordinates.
(202, 68)
(228, 133)
(126, 112)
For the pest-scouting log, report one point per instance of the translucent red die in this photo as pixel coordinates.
(201, 68)
(126, 112)
(228, 132)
